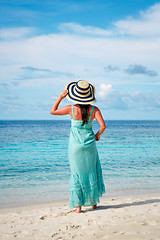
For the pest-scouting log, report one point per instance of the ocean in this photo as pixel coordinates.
(34, 163)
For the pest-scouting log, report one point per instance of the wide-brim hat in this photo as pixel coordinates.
(80, 92)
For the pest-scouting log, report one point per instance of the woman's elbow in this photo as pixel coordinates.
(52, 112)
(103, 126)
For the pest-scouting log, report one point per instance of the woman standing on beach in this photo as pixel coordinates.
(86, 181)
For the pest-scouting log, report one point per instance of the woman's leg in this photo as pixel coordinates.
(94, 206)
(78, 209)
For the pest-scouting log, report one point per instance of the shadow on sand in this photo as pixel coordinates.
(102, 207)
(129, 204)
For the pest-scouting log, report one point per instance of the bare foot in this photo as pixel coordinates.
(94, 206)
(78, 210)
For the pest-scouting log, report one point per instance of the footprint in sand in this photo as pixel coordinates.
(63, 214)
(67, 227)
(54, 234)
(73, 236)
(145, 233)
(119, 233)
(90, 220)
(75, 226)
(151, 223)
(43, 217)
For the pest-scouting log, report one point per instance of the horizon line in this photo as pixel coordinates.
(69, 119)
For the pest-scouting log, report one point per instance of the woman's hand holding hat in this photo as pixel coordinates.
(63, 94)
(54, 110)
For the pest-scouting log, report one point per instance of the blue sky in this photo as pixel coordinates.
(113, 44)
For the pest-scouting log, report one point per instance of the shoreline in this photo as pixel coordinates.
(120, 217)
(11, 205)
(21, 205)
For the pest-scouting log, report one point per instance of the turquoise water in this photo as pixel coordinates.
(34, 159)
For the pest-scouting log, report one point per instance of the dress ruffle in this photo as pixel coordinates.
(86, 189)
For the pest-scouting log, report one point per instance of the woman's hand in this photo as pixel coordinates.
(97, 137)
(63, 94)
(54, 110)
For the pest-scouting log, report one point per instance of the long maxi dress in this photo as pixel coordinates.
(86, 181)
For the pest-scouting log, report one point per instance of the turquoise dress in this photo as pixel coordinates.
(86, 181)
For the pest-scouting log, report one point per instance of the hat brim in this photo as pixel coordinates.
(75, 98)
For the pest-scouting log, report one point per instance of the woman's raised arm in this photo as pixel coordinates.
(62, 111)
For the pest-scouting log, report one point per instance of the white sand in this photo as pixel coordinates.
(132, 217)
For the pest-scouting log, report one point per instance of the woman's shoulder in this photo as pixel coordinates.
(96, 108)
(96, 111)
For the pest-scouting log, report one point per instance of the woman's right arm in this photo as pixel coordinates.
(100, 120)
(61, 111)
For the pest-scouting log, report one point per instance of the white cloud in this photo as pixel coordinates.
(78, 48)
(142, 101)
(109, 98)
(112, 99)
(76, 28)
(12, 33)
(105, 89)
(148, 23)
(81, 47)
(64, 53)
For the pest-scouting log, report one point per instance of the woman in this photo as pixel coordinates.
(86, 181)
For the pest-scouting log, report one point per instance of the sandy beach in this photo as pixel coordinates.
(132, 217)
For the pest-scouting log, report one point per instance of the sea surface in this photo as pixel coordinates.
(34, 163)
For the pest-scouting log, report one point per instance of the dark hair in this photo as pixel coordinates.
(84, 111)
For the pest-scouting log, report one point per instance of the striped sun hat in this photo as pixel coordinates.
(81, 92)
